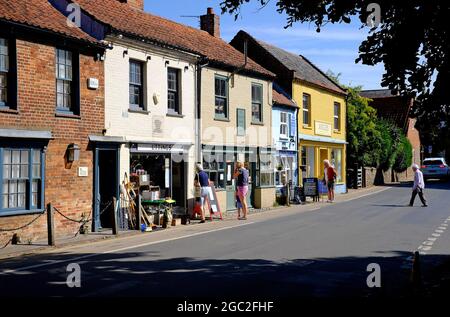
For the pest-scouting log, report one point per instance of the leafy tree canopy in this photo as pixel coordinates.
(412, 41)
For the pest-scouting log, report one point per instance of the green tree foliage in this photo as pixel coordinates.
(391, 137)
(363, 136)
(404, 155)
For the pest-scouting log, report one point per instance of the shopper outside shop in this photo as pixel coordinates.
(202, 182)
(241, 175)
(329, 179)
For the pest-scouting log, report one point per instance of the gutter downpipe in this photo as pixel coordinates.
(198, 113)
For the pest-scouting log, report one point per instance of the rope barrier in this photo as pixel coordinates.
(7, 243)
(82, 220)
(24, 226)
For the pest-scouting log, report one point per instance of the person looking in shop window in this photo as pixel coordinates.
(202, 181)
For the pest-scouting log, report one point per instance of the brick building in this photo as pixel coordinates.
(47, 113)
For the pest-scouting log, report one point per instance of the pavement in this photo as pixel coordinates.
(314, 250)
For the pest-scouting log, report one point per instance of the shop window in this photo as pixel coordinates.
(257, 101)
(265, 170)
(8, 78)
(336, 160)
(283, 125)
(306, 110)
(173, 91)
(67, 84)
(137, 85)
(337, 116)
(221, 97)
(22, 185)
(216, 172)
(307, 161)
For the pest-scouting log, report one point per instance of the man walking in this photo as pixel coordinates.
(418, 187)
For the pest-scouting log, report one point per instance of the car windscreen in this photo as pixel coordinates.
(432, 162)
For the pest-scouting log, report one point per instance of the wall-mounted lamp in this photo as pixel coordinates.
(73, 153)
(149, 58)
(186, 68)
(125, 53)
(167, 63)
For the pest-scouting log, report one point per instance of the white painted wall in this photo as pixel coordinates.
(119, 121)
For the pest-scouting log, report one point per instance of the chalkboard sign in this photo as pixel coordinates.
(311, 187)
(213, 202)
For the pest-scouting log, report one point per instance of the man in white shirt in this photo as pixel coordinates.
(418, 187)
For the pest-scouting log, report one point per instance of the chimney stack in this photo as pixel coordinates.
(136, 4)
(210, 23)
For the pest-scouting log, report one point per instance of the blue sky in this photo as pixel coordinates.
(334, 48)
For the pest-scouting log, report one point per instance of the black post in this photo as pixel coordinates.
(115, 226)
(50, 225)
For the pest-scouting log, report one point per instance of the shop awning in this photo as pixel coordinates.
(106, 139)
(160, 147)
(307, 137)
(25, 134)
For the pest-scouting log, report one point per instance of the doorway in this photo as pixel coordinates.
(106, 187)
(323, 155)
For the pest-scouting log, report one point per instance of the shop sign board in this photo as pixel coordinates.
(311, 187)
(322, 128)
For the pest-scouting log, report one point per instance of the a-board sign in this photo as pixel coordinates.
(323, 190)
(213, 201)
(311, 187)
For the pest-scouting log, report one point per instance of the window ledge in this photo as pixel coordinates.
(67, 115)
(337, 131)
(10, 213)
(138, 111)
(256, 123)
(8, 110)
(222, 119)
(175, 115)
(307, 127)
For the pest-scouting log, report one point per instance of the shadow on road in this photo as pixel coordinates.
(146, 274)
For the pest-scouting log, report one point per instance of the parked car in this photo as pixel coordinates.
(435, 168)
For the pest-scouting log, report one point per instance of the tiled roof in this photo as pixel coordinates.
(394, 108)
(123, 18)
(377, 93)
(281, 99)
(303, 69)
(42, 15)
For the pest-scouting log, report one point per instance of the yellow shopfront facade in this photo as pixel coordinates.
(322, 131)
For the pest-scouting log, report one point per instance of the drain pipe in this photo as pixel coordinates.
(198, 111)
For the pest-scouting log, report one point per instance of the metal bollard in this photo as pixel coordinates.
(50, 225)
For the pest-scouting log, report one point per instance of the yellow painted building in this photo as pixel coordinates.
(322, 130)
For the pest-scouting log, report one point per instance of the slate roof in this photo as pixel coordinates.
(40, 14)
(123, 18)
(303, 69)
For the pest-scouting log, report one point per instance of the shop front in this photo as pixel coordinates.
(314, 150)
(285, 171)
(164, 168)
(220, 161)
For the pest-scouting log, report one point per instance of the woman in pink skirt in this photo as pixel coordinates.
(241, 175)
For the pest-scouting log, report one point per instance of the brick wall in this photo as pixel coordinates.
(71, 194)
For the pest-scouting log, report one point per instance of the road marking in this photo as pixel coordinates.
(121, 249)
(428, 244)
